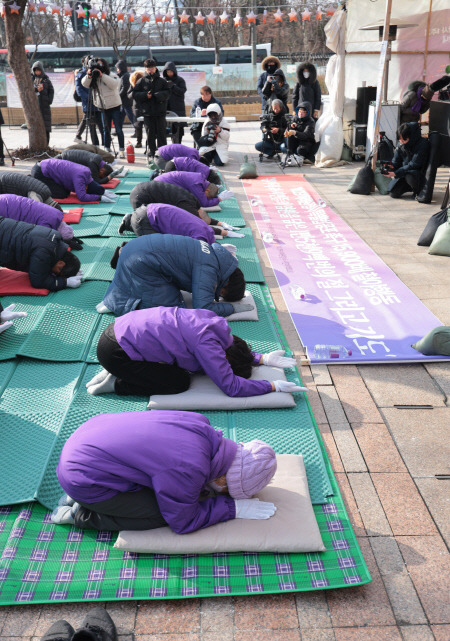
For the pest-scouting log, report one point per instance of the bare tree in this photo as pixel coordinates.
(15, 42)
(109, 31)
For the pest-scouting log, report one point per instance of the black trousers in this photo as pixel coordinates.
(95, 121)
(155, 126)
(196, 135)
(125, 511)
(57, 190)
(138, 377)
(401, 186)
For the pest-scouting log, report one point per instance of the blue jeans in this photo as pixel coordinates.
(109, 116)
(267, 147)
(127, 111)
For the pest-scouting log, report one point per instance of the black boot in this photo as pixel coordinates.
(97, 625)
(125, 224)
(115, 257)
(60, 631)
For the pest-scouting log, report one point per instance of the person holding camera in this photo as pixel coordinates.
(276, 87)
(269, 65)
(409, 163)
(301, 142)
(151, 94)
(45, 94)
(215, 139)
(91, 115)
(199, 108)
(176, 104)
(107, 98)
(273, 126)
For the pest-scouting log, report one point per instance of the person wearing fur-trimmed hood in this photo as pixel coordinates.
(269, 65)
(307, 88)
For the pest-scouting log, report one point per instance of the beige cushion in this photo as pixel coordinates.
(293, 528)
(252, 315)
(203, 394)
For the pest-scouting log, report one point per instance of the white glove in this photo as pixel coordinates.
(5, 326)
(242, 307)
(233, 234)
(226, 225)
(106, 199)
(8, 315)
(277, 359)
(75, 281)
(226, 194)
(254, 509)
(287, 386)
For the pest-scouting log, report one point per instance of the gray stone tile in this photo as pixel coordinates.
(401, 385)
(441, 374)
(312, 609)
(436, 495)
(321, 375)
(369, 506)
(399, 587)
(332, 405)
(416, 433)
(416, 633)
(216, 615)
(348, 447)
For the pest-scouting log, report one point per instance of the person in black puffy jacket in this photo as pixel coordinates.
(409, 162)
(176, 104)
(276, 87)
(300, 134)
(307, 88)
(26, 186)
(39, 251)
(127, 102)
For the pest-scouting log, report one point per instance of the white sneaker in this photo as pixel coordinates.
(122, 153)
(123, 173)
(76, 139)
(289, 160)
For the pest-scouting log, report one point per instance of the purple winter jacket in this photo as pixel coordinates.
(174, 453)
(190, 164)
(194, 339)
(167, 219)
(35, 213)
(169, 152)
(192, 182)
(71, 176)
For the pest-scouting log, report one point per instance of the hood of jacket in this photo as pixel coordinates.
(280, 74)
(306, 66)
(415, 136)
(38, 65)
(122, 67)
(170, 66)
(415, 85)
(305, 105)
(267, 60)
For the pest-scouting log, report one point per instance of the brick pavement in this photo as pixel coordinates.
(386, 432)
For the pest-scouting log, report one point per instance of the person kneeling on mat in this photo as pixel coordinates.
(153, 270)
(409, 162)
(63, 177)
(36, 213)
(27, 186)
(153, 351)
(190, 164)
(40, 252)
(145, 470)
(166, 219)
(101, 171)
(176, 150)
(206, 192)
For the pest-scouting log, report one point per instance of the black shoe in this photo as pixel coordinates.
(134, 135)
(97, 625)
(2, 162)
(138, 145)
(60, 631)
(115, 258)
(125, 224)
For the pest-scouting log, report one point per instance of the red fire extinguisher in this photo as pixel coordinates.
(130, 152)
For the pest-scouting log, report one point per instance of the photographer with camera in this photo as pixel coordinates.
(45, 94)
(301, 142)
(107, 98)
(276, 87)
(151, 94)
(269, 65)
(92, 117)
(409, 162)
(215, 139)
(199, 109)
(273, 126)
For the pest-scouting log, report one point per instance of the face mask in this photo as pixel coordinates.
(306, 74)
(271, 68)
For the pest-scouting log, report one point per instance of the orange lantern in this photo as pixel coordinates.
(264, 16)
(131, 17)
(3, 11)
(158, 17)
(184, 17)
(292, 15)
(168, 17)
(93, 13)
(224, 18)
(80, 12)
(43, 8)
(199, 18)
(145, 17)
(55, 9)
(319, 14)
(251, 18)
(306, 15)
(31, 7)
(330, 12)
(211, 18)
(278, 15)
(120, 16)
(238, 20)
(14, 8)
(67, 10)
(103, 15)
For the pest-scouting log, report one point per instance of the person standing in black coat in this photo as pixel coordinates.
(409, 162)
(152, 93)
(176, 99)
(202, 103)
(307, 88)
(45, 94)
(276, 88)
(127, 102)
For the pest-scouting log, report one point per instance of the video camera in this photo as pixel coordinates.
(95, 68)
(210, 132)
(271, 78)
(386, 168)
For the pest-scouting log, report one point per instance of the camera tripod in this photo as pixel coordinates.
(94, 87)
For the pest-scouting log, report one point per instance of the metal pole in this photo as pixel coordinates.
(387, 22)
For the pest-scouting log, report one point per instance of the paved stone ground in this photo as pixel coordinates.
(386, 432)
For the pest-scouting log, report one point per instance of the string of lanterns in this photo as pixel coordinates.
(184, 18)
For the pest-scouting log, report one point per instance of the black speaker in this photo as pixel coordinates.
(364, 96)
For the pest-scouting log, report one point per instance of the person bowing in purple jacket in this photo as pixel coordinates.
(207, 193)
(145, 470)
(153, 351)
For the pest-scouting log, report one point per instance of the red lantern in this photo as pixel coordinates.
(199, 18)
(168, 17)
(318, 14)
(211, 18)
(145, 17)
(120, 16)
(278, 15)
(43, 8)
(330, 12)
(55, 9)
(306, 15)
(238, 20)
(184, 17)
(67, 10)
(14, 7)
(292, 15)
(131, 17)
(251, 17)
(158, 17)
(224, 18)
(32, 7)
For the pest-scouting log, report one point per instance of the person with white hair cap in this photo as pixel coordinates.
(215, 139)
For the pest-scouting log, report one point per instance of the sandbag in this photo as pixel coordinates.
(436, 342)
(434, 222)
(363, 182)
(382, 182)
(426, 193)
(441, 241)
(247, 169)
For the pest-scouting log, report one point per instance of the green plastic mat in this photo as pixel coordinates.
(99, 209)
(247, 256)
(127, 184)
(91, 226)
(122, 206)
(12, 339)
(95, 258)
(112, 229)
(230, 213)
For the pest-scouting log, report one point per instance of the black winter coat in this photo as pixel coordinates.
(157, 104)
(412, 158)
(21, 185)
(32, 249)
(273, 90)
(124, 84)
(270, 120)
(307, 89)
(45, 97)
(203, 105)
(160, 192)
(177, 87)
(87, 159)
(304, 127)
